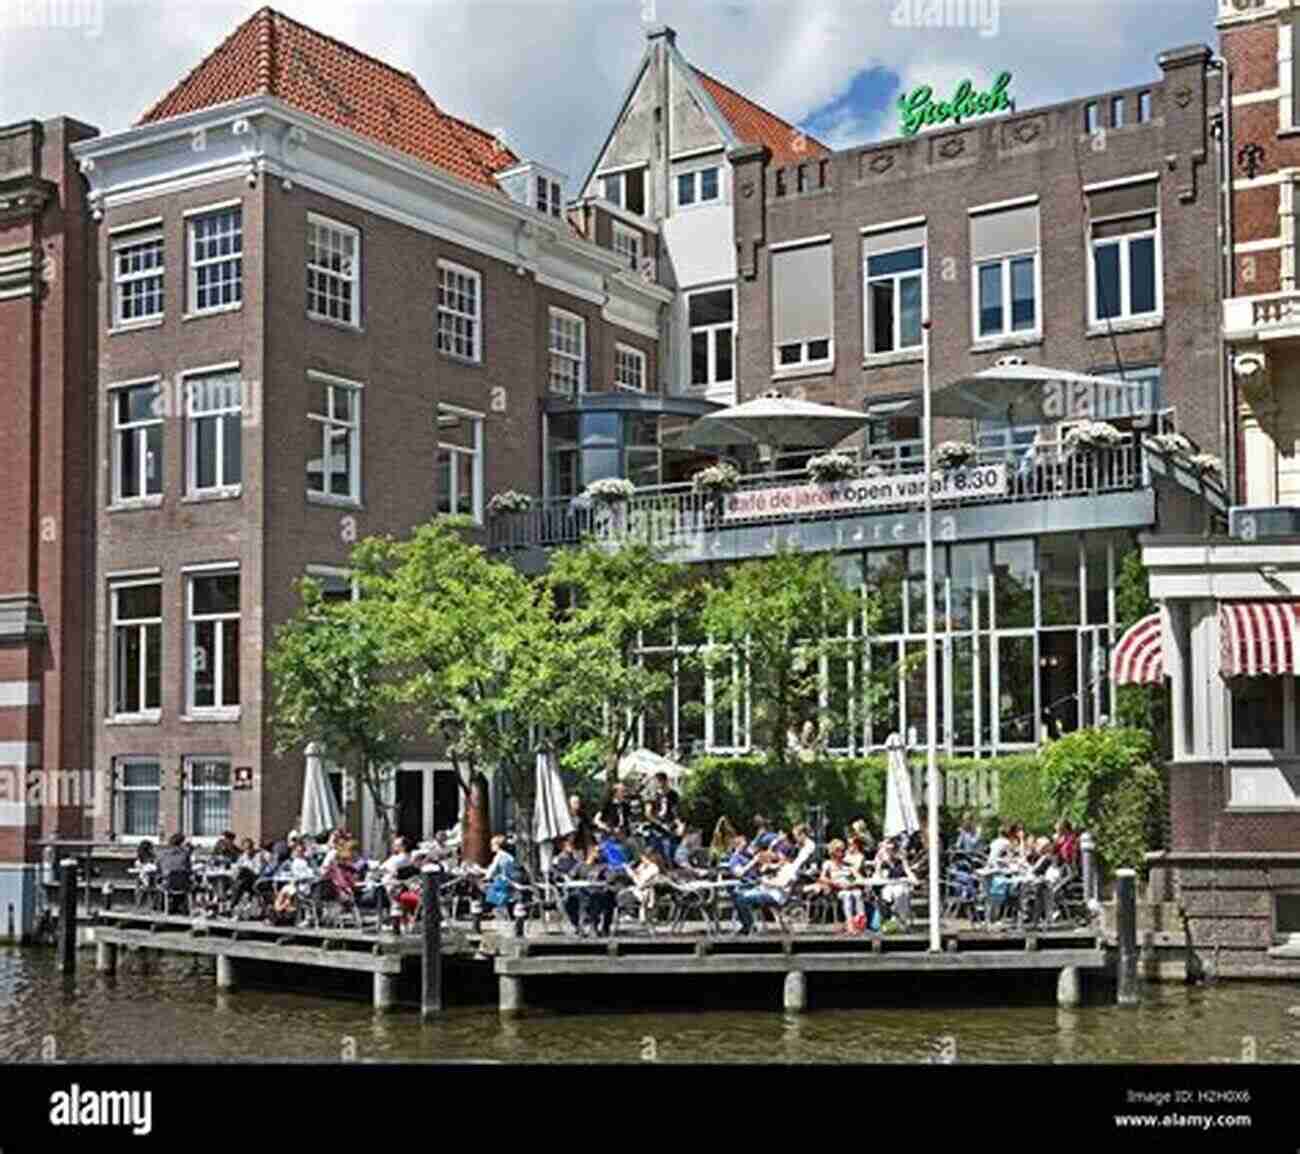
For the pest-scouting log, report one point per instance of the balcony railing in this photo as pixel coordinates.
(671, 516)
(1267, 315)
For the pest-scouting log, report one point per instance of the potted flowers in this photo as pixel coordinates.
(831, 467)
(509, 502)
(716, 480)
(1090, 436)
(611, 491)
(954, 455)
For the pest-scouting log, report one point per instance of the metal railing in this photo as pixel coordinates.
(673, 515)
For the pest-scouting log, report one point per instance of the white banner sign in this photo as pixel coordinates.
(866, 493)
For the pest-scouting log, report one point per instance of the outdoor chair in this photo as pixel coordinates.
(175, 890)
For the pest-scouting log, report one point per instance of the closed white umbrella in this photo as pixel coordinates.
(320, 812)
(900, 805)
(771, 419)
(551, 817)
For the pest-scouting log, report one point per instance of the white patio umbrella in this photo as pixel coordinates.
(649, 763)
(551, 818)
(900, 805)
(773, 419)
(319, 809)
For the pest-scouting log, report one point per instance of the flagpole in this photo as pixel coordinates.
(931, 681)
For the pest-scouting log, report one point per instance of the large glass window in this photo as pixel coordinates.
(216, 260)
(1017, 717)
(568, 353)
(460, 315)
(207, 788)
(969, 588)
(802, 313)
(1058, 560)
(137, 648)
(563, 471)
(333, 271)
(885, 569)
(139, 789)
(1124, 226)
(334, 448)
(894, 289)
(625, 190)
(1260, 709)
(213, 641)
(137, 278)
(137, 441)
(460, 462)
(1013, 583)
(1004, 254)
(711, 318)
(629, 368)
(214, 416)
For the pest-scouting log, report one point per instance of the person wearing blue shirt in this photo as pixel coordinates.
(763, 834)
(612, 851)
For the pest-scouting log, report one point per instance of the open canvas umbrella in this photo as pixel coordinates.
(1023, 394)
(771, 419)
(649, 763)
(900, 805)
(551, 818)
(319, 812)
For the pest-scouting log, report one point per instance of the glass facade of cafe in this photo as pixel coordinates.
(1024, 627)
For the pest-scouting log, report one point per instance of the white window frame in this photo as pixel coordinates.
(695, 175)
(1004, 262)
(453, 495)
(621, 174)
(868, 280)
(450, 269)
(1125, 314)
(713, 381)
(218, 709)
(194, 262)
(118, 245)
(323, 573)
(142, 625)
(324, 423)
(139, 431)
(224, 487)
(349, 279)
(546, 195)
(627, 243)
(189, 790)
(121, 792)
(579, 359)
(630, 356)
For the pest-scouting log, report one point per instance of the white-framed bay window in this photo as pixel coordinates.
(333, 271)
(460, 462)
(1125, 269)
(711, 319)
(212, 628)
(206, 782)
(213, 431)
(1005, 271)
(138, 266)
(215, 247)
(568, 353)
(629, 368)
(334, 438)
(460, 311)
(137, 440)
(137, 798)
(802, 313)
(135, 675)
(893, 278)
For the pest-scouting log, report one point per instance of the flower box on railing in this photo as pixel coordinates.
(610, 491)
(716, 480)
(832, 467)
(509, 502)
(954, 455)
(1092, 437)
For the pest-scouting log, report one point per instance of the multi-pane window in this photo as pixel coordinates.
(333, 271)
(1125, 270)
(568, 353)
(214, 442)
(629, 368)
(138, 783)
(698, 187)
(625, 190)
(334, 446)
(1004, 256)
(207, 796)
(627, 243)
(137, 441)
(137, 648)
(711, 318)
(548, 196)
(460, 311)
(213, 641)
(460, 462)
(894, 289)
(216, 260)
(137, 278)
(802, 315)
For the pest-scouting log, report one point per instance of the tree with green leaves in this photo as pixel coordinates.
(778, 618)
(327, 665)
(1139, 706)
(608, 603)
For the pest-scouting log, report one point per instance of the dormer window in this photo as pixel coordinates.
(625, 190)
(548, 199)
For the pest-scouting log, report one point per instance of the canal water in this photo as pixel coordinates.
(171, 1010)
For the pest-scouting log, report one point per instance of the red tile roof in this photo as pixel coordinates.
(755, 125)
(273, 55)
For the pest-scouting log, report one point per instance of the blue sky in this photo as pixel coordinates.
(550, 76)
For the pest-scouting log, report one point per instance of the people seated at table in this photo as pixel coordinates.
(845, 884)
(764, 834)
(740, 860)
(689, 847)
(771, 888)
(1038, 885)
(1066, 843)
(501, 871)
(1000, 849)
(247, 867)
(896, 896)
(613, 849)
(175, 866)
(299, 873)
(583, 831)
(724, 835)
(968, 837)
(858, 829)
(665, 809)
(226, 849)
(597, 898)
(855, 854)
(145, 856)
(616, 813)
(651, 868)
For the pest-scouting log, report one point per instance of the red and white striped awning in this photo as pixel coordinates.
(1258, 638)
(1139, 658)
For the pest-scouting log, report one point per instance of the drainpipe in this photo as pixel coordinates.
(1226, 278)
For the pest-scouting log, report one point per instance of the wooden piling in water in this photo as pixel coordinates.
(1126, 931)
(68, 916)
(431, 960)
